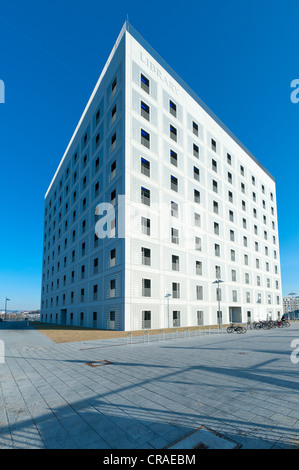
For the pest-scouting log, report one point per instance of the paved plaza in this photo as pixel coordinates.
(148, 393)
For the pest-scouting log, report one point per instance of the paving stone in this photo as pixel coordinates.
(151, 393)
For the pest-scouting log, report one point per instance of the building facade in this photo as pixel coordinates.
(290, 305)
(153, 201)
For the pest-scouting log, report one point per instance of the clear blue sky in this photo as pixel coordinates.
(239, 57)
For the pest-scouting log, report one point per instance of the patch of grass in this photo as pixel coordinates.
(68, 333)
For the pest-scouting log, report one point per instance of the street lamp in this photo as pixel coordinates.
(167, 297)
(292, 294)
(218, 295)
(6, 300)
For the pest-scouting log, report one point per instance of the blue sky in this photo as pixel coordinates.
(239, 57)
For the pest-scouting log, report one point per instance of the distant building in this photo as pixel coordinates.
(191, 205)
(290, 304)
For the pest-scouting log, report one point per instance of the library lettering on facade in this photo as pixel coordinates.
(154, 200)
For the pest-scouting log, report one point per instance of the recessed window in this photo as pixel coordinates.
(113, 141)
(113, 197)
(174, 185)
(112, 288)
(145, 226)
(198, 267)
(199, 292)
(146, 319)
(145, 167)
(176, 318)
(197, 221)
(146, 256)
(144, 83)
(113, 114)
(174, 236)
(146, 288)
(215, 207)
(176, 294)
(175, 263)
(113, 170)
(97, 164)
(173, 158)
(198, 244)
(196, 173)
(213, 145)
(174, 209)
(145, 110)
(196, 196)
(195, 151)
(195, 128)
(172, 108)
(98, 115)
(145, 196)
(113, 86)
(173, 132)
(145, 138)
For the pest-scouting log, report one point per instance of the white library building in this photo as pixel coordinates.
(157, 215)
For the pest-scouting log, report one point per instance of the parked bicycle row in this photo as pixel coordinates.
(260, 325)
(267, 325)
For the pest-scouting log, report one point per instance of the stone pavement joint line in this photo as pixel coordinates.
(150, 394)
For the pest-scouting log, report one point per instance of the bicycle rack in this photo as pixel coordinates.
(146, 335)
(129, 338)
(163, 335)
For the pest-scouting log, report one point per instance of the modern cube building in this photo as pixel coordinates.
(153, 201)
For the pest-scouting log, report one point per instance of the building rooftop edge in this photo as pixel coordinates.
(129, 28)
(186, 87)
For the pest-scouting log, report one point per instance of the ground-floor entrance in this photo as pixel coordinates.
(235, 314)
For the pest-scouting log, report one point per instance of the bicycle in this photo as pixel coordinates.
(238, 328)
(283, 324)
